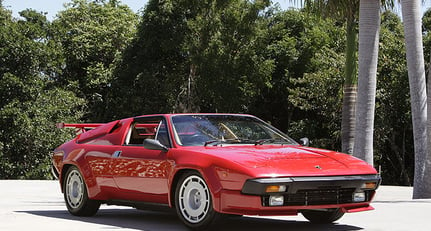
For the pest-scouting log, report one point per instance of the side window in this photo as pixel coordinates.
(162, 134)
(147, 128)
(139, 132)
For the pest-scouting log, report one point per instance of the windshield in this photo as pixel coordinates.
(195, 130)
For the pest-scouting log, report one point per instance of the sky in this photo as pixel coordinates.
(51, 7)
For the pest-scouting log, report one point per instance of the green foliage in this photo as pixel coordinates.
(29, 134)
(204, 55)
(223, 45)
(153, 66)
(319, 115)
(92, 36)
(426, 29)
(308, 57)
(29, 104)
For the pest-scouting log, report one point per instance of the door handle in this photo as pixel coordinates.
(116, 154)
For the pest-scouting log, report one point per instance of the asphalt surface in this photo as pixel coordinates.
(38, 205)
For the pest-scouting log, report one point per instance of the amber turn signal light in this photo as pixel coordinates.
(369, 185)
(275, 188)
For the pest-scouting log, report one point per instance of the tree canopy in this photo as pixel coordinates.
(30, 100)
(98, 61)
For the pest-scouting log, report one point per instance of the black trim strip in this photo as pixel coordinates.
(293, 184)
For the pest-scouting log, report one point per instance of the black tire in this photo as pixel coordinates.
(323, 217)
(193, 202)
(76, 196)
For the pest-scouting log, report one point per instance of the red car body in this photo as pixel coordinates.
(245, 178)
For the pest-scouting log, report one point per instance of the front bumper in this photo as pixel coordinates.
(301, 193)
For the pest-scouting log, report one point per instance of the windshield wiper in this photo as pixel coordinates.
(272, 141)
(262, 141)
(229, 141)
(215, 142)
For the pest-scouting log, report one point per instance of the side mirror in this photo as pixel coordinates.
(304, 142)
(153, 144)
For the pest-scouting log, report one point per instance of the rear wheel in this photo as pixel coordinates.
(76, 196)
(193, 202)
(323, 217)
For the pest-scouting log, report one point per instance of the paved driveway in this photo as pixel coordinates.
(38, 205)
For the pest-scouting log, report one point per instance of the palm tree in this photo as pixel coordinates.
(411, 13)
(369, 26)
(348, 11)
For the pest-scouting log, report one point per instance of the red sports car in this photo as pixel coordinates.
(207, 166)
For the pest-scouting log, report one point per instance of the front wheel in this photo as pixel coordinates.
(76, 196)
(323, 217)
(193, 202)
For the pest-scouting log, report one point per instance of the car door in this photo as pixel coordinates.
(99, 145)
(140, 173)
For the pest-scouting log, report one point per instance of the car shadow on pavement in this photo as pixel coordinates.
(167, 220)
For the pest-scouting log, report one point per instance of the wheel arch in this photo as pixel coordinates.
(76, 193)
(174, 183)
(64, 170)
(87, 178)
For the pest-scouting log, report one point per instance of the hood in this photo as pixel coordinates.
(295, 160)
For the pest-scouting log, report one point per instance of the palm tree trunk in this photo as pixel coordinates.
(411, 12)
(369, 26)
(349, 90)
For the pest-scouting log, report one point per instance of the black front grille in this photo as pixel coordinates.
(320, 197)
(317, 197)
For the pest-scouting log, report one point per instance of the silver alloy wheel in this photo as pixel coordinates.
(74, 189)
(194, 199)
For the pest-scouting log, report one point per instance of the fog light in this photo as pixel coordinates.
(276, 200)
(359, 197)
